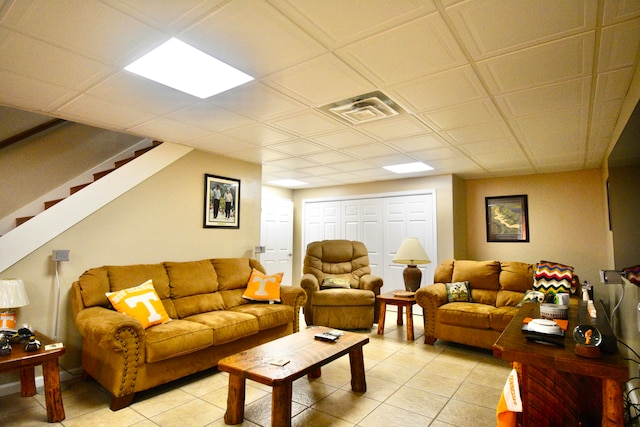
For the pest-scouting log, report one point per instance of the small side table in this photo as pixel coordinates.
(26, 362)
(400, 302)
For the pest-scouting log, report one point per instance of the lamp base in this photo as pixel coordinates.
(412, 277)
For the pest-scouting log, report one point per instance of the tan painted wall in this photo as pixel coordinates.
(566, 217)
(158, 220)
(443, 184)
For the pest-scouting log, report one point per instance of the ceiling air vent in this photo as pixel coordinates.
(364, 108)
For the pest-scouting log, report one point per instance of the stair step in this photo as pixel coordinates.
(22, 220)
(141, 151)
(50, 203)
(77, 188)
(123, 162)
(98, 175)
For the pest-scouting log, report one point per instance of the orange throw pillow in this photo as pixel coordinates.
(262, 287)
(141, 302)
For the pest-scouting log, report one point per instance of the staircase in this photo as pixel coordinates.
(96, 176)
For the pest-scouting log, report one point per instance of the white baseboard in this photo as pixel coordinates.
(14, 387)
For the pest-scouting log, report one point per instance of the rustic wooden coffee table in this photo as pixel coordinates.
(305, 356)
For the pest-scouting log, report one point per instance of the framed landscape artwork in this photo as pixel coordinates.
(221, 202)
(507, 219)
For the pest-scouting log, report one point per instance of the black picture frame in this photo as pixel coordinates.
(219, 212)
(507, 218)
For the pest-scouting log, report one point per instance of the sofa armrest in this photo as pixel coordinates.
(110, 330)
(430, 298)
(371, 283)
(294, 297)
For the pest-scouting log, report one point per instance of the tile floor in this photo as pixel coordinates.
(408, 384)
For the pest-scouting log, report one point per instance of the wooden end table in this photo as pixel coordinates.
(400, 302)
(305, 356)
(26, 362)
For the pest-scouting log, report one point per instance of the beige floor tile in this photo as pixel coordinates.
(195, 413)
(16, 403)
(387, 415)
(219, 397)
(393, 373)
(478, 395)
(105, 417)
(347, 406)
(377, 389)
(490, 374)
(417, 401)
(312, 418)
(206, 385)
(161, 402)
(449, 367)
(259, 412)
(467, 415)
(307, 392)
(437, 384)
(32, 416)
(335, 376)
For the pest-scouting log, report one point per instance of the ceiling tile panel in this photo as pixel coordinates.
(418, 143)
(30, 94)
(553, 62)
(441, 90)
(491, 27)
(223, 144)
(293, 163)
(619, 10)
(490, 147)
(208, 115)
(337, 22)
(298, 148)
(351, 166)
(307, 123)
(104, 113)
(480, 132)
(81, 25)
(409, 51)
(613, 85)
(619, 46)
(320, 81)
(393, 159)
(258, 101)
(503, 160)
(471, 113)
(606, 111)
(430, 156)
(253, 37)
(369, 151)
(558, 130)
(397, 127)
(557, 96)
(165, 129)
(259, 134)
(341, 139)
(328, 157)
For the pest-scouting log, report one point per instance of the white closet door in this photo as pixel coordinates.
(321, 221)
(362, 221)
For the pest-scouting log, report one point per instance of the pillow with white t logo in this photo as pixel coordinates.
(141, 302)
(262, 287)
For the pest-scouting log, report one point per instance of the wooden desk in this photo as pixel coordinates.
(305, 356)
(26, 362)
(558, 387)
(400, 302)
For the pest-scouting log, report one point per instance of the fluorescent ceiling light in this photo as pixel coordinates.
(409, 167)
(187, 69)
(287, 183)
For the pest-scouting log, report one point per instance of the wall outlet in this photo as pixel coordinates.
(60, 255)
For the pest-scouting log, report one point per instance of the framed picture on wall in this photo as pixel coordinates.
(221, 202)
(507, 219)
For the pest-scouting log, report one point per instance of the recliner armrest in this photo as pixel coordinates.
(371, 283)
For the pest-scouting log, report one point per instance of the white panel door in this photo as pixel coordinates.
(362, 221)
(276, 235)
(321, 222)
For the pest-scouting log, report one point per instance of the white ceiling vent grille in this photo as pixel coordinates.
(364, 108)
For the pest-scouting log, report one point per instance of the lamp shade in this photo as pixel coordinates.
(13, 293)
(411, 252)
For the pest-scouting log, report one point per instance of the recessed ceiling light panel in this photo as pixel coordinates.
(187, 69)
(409, 167)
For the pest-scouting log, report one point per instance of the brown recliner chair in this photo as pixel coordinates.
(341, 291)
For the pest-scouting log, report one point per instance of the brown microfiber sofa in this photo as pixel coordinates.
(496, 288)
(210, 320)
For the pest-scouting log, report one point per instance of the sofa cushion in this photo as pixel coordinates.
(233, 273)
(268, 315)
(227, 325)
(141, 302)
(343, 297)
(483, 277)
(94, 284)
(127, 276)
(509, 298)
(469, 314)
(444, 272)
(191, 278)
(262, 287)
(176, 338)
(500, 317)
(516, 276)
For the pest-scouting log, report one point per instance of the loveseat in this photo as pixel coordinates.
(209, 319)
(497, 288)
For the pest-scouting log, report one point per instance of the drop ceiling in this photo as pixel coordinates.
(488, 87)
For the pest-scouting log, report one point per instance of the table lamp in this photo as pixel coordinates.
(411, 253)
(13, 294)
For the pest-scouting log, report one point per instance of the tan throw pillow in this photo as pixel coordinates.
(331, 282)
(141, 302)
